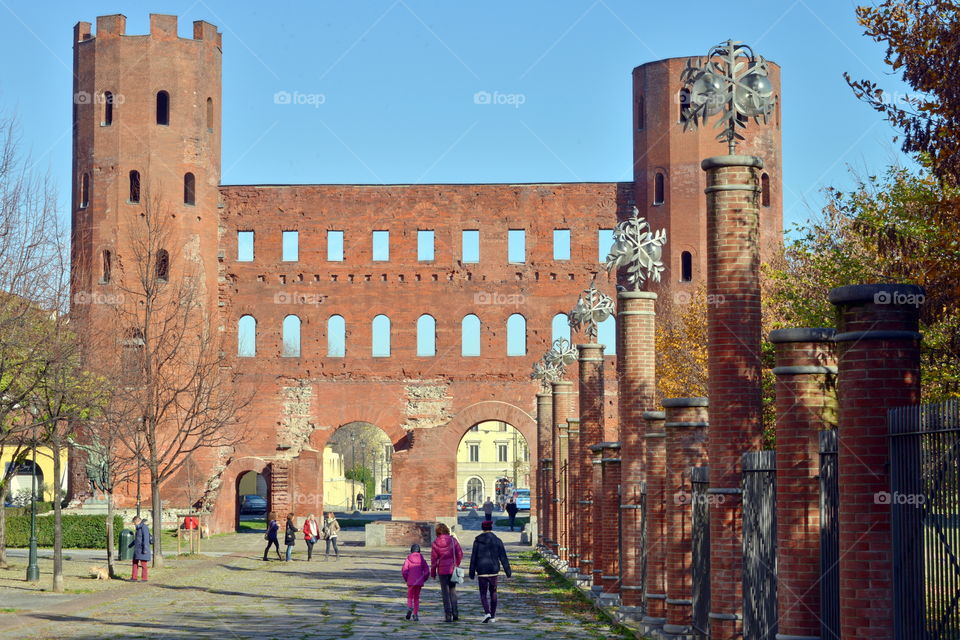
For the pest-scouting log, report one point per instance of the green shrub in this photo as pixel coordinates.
(42, 507)
(79, 532)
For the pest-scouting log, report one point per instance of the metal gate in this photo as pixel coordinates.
(924, 502)
(759, 545)
(829, 538)
(700, 525)
(643, 544)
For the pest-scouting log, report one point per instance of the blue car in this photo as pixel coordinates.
(522, 498)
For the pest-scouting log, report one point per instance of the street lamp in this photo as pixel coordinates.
(33, 570)
(353, 465)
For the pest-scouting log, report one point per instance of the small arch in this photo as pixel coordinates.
(686, 267)
(107, 266)
(474, 490)
(560, 328)
(470, 336)
(247, 336)
(765, 190)
(426, 336)
(380, 342)
(163, 108)
(84, 191)
(658, 189)
(107, 109)
(210, 115)
(291, 337)
(134, 190)
(189, 189)
(641, 116)
(163, 265)
(516, 335)
(336, 337)
(683, 98)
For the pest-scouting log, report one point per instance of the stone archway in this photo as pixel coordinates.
(225, 516)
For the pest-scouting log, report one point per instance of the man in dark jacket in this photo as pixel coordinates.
(512, 512)
(487, 558)
(142, 551)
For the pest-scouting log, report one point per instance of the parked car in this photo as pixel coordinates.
(382, 502)
(253, 505)
(522, 497)
(466, 506)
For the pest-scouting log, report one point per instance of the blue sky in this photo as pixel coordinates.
(382, 91)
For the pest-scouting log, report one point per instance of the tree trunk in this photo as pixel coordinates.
(57, 519)
(157, 524)
(3, 535)
(110, 567)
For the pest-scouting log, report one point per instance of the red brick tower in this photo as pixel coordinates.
(146, 133)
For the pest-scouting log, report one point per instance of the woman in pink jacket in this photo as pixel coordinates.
(445, 557)
(415, 573)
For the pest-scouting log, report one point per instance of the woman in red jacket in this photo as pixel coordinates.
(311, 533)
(445, 558)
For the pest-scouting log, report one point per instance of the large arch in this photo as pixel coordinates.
(226, 516)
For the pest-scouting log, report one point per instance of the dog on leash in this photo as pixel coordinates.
(100, 573)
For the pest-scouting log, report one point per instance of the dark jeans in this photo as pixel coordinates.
(513, 517)
(488, 584)
(449, 592)
(273, 543)
(310, 542)
(332, 541)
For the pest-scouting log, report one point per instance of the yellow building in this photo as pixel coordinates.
(489, 452)
(338, 492)
(20, 483)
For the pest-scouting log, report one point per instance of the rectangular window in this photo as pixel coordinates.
(291, 246)
(244, 246)
(381, 246)
(425, 245)
(604, 244)
(474, 453)
(501, 453)
(516, 246)
(561, 244)
(334, 246)
(471, 245)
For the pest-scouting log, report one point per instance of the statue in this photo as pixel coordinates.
(97, 465)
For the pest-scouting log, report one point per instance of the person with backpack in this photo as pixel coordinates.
(445, 558)
(290, 535)
(415, 573)
(486, 559)
(311, 533)
(331, 528)
(273, 527)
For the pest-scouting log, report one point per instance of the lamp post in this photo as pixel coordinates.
(33, 570)
(353, 465)
(139, 493)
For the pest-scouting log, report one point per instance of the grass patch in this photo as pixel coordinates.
(8, 610)
(252, 526)
(519, 522)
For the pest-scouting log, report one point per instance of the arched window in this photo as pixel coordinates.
(107, 109)
(516, 335)
(189, 189)
(474, 490)
(686, 267)
(336, 337)
(658, 188)
(134, 195)
(470, 336)
(641, 117)
(163, 107)
(163, 265)
(426, 336)
(684, 100)
(210, 115)
(560, 328)
(247, 336)
(381, 337)
(84, 191)
(765, 190)
(107, 266)
(291, 337)
(607, 335)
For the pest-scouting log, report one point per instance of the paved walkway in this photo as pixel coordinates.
(240, 596)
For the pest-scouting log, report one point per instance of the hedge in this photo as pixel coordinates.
(79, 532)
(42, 507)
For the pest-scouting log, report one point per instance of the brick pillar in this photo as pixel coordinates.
(607, 530)
(636, 377)
(592, 413)
(573, 496)
(878, 348)
(655, 589)
(544, 458)
(563, 491)
(686, 447)
(561, 394)
(594, 518)
(733, 336)
(806, 404)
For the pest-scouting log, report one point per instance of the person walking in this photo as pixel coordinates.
(445, 558)
(290, 535)
(311, 533)
(486, 559)
(273, 527)
(415, 573)
(331, 528)
(359, 502)
(512, 512)
(488, 507)
(142, 550)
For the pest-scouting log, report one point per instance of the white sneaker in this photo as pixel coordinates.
(486, 617)
(493, 619)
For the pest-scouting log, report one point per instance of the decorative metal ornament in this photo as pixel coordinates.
(732, 80)
(637, 248)
(561, 355)
(544, 373)
(593, 307)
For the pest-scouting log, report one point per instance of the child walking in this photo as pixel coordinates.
(415, 573)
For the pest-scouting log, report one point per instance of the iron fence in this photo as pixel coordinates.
(759, 545)
(829, 538)
(700, 525)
